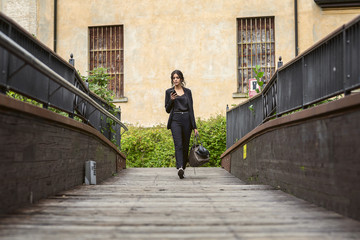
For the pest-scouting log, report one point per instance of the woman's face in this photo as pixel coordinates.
(176, 80)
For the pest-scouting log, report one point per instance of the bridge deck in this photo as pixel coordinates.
(155, 204)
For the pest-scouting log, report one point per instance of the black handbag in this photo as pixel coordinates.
(199, 155)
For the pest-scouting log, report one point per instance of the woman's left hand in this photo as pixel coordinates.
(196, 132)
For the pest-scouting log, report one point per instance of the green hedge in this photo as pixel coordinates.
(154, 147)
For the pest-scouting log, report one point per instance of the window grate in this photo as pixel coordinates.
(256, 46)
(106, 49)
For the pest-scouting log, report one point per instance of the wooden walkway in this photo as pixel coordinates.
(156, 204)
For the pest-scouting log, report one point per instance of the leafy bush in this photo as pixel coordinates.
(213, 137)
(154, 147)
(99, 80)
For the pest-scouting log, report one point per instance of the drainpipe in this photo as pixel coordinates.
(296, 28)
(55, 24)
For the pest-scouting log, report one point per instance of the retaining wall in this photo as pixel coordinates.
(313, 154)
(43, 153)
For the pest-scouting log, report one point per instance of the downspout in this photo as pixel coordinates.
(55, 24)
(296, 28)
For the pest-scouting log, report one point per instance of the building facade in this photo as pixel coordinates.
(215, 43)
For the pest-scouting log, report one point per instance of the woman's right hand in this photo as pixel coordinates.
(196, 132)
(173, 95)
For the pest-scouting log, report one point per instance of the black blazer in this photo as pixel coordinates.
(169, 106)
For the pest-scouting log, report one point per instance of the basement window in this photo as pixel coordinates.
(256, 46)
(106, 49)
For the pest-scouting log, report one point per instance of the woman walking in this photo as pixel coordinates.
(179, 103)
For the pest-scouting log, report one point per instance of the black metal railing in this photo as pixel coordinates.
(31, 69)
(329, 68)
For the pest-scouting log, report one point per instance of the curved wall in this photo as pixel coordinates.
(313, 154)
(43, 153)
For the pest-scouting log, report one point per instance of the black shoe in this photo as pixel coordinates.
(181, 173)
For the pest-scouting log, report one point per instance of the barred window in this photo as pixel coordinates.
(256, 46)
(106, 49)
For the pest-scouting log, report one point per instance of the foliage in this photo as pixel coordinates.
(258, 76)
(98, 80)
(251, 108)
(213, 137)
(154, 147)
(23, 98)
(337, 97)
(38, 104)
(148, 147)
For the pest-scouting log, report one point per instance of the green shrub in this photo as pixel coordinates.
(148, 147)
(154, 147)
(213, 137)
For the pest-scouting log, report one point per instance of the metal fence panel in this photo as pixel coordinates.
(4, 26)
(93, 117)
(117, 129)
(29, 44)
(104, 127)
(323, 69)
(241, 120)
(352, 56)
(63, 70)
(3, 65)
(61, 98)
(270, 98)
(232, 126)
(289, 86)
(26, 80)
(256, 115)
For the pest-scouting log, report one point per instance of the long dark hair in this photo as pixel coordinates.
(181, 76)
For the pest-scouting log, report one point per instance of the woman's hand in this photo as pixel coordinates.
(173, 95)
(196, 132)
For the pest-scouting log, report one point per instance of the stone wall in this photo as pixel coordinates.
(24, 12)
(313, 154)
(43, 153)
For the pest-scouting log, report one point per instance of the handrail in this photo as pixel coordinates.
(30, 59)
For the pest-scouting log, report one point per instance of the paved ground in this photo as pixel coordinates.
(156, 204)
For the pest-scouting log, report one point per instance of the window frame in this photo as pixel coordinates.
(252, 46)
(110, 49)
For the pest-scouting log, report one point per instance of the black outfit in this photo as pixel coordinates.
(181, 122)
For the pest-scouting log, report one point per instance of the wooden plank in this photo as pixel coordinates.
(156, 204)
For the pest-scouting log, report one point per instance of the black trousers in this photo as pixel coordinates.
(181, 132)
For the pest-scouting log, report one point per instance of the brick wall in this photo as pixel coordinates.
(42, 153)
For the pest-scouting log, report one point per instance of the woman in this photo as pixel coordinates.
(179, 103)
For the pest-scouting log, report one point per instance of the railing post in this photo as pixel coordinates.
(280, 63)
(118, 115)
(72, 60)
(87, 85)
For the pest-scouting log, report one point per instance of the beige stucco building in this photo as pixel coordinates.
(202, 38)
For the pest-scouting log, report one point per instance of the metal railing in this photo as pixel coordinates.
(327, 69)
(31, 69)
